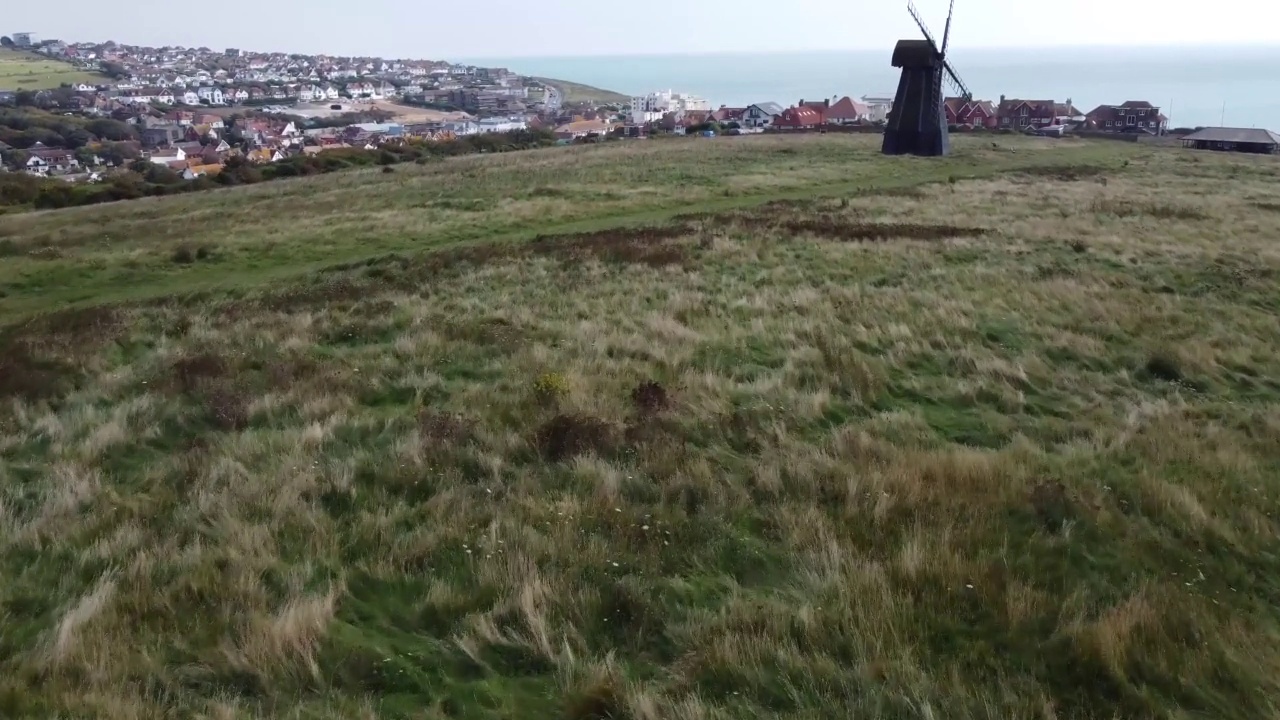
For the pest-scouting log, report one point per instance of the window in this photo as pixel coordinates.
(1024, 112)
(1132, 120)
(1108, 123)
(1142, 112)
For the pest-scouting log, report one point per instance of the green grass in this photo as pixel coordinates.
(574, 93)
(21, 70)
(770, 428)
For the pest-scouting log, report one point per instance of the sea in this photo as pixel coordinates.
(1194, 86)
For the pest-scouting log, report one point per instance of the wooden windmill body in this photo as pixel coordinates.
(917, 123)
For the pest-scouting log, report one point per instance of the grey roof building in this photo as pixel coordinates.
(1247, 140)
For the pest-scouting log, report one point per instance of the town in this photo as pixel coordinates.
(194, 111)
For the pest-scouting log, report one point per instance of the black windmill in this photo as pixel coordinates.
(917, 122)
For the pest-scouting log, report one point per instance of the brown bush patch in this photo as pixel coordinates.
(25, 376)
(192, 371)
(650, 397)
(497, 332)
(650, 246)
(1160, 211)
(1051, 503)
(226, 406)
(1064, 174)
(838, 229)
(567, 436)
(444, 427)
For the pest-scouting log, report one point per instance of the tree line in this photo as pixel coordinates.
(143, 178)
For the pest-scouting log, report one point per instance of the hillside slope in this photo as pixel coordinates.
(578, 93)
(20, 70)
(758, 428)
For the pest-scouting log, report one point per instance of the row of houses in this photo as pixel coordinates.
(1008, 113)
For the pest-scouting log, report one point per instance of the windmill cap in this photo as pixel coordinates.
(915, 54)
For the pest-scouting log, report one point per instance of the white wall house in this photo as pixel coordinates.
(878, 106)
(651, 107)
(497, 125)
(213, 94)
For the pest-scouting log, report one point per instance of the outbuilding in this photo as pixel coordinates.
(1245, 140)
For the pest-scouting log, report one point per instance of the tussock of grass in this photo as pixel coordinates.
(954, 473)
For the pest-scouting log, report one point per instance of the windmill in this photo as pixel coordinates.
(917, 123)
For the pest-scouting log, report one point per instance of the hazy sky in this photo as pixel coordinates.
(510, 28)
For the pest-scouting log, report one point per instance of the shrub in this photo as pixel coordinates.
(183, 255)
(550, 386)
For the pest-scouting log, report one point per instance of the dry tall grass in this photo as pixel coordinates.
(986, 449)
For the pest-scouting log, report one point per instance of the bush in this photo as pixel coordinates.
(183, 255)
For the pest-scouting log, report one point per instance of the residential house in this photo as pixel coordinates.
(878, 107)
(1132, 116)
(798, 118)
(194, 171)
(180, 117)
(238, 95)
(190, 98)
(211, 94)
(161, 135)
(974, 113)
(169, 157)
(265, 155)
(761, 115)
(1018, 114)
(1245, 140)
(727, 114)
(846, 111)
(582, 128)
(213, 121)
(36, 165)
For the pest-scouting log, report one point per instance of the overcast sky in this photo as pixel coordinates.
(511, 28)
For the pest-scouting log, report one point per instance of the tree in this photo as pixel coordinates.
(6, 41)
(113, 130)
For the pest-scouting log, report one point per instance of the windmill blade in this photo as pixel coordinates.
(946, 31)
(961, 89)
(915, 15)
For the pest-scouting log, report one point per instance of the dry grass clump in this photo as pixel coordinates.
(955, 474)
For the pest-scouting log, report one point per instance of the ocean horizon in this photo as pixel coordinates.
(1193, 85)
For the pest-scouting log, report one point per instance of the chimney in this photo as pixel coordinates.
(1001, 99)
(826, 103)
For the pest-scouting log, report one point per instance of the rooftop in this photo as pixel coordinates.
(1235, 135)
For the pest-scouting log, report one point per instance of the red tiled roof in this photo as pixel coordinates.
(799, 117)
(845, 109)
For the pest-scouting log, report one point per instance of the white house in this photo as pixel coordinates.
(164, 157)
(761, 115)
(497, 125)
(652, 107)
(37, 166)
(190, 98)
(84, 87)
(238, 95)
(878, 106)
(307, 93)
(212, 94)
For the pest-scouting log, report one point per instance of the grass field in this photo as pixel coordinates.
(576, 93)
(28, 71)
(750, 428)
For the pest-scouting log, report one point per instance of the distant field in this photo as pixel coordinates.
(28, 71)
(576, 93)
(734, 429)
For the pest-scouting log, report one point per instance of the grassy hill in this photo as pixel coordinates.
(576, 93)
(752, 427)
(20, 70)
